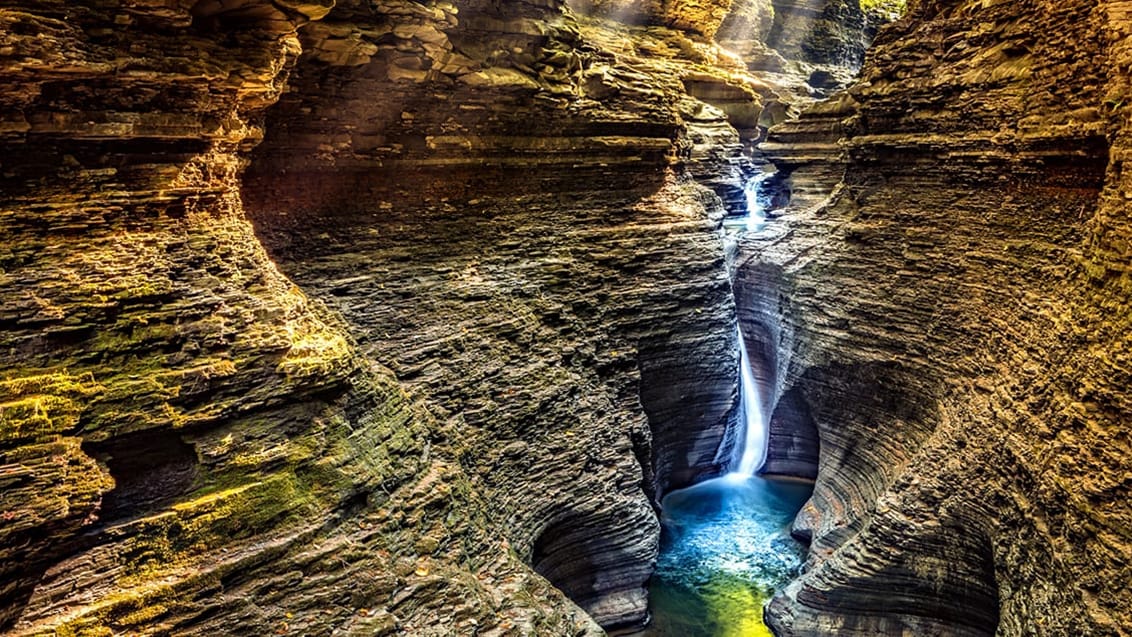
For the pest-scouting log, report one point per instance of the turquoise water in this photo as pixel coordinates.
(725, 548)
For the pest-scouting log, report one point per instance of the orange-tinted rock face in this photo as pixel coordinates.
(193, 441)
(436, 343)
(189, 443)
(128, 274)
(701, 17)
(958, 320)
(503, 235)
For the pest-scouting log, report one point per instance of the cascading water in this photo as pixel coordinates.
(751, 415)
(756, 208)
(726, 545)
(757, 204)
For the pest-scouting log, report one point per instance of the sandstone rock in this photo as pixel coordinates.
(432, 361)
(956, 329)
(188, 443)
(506, 248)
(192, 431)
(820, 31)
(747, 21)
(700, 17)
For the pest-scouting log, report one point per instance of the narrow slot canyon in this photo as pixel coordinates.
(726, 545)
(696, 318)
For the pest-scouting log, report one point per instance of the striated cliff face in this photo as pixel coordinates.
(395, 317)
(953, 302)
(460, 317)
(700, 17)
(188, 442)
(512, 230)
(820, 42)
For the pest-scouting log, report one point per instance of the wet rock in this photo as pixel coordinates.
(465, 317)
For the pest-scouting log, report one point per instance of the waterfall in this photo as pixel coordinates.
(750, 407)
(750, 410)
(757, 204)
(756, 209)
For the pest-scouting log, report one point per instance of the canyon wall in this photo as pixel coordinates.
(189, 443)
(516, 229)
(466, 313)
(396, 317)
(953, 287)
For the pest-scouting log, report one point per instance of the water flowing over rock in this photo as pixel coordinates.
(751, 408)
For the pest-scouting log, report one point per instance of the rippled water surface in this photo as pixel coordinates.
(725, 549)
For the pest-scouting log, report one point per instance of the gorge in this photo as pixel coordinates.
(403, 317)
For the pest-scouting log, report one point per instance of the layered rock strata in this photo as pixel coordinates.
(834, 32)
(957, 311)
(491, 325)
(503, 324)
(188, 443)
(809, 47)
(515, 239)
(700, 17)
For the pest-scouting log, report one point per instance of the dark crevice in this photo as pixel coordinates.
(150, 469)
(575, 557)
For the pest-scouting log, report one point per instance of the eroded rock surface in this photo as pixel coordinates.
(500, 327)
(467, 315)
(189, 443)
(958, 319)
(521, 241)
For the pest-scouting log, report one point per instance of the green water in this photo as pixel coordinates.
(725, 548)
